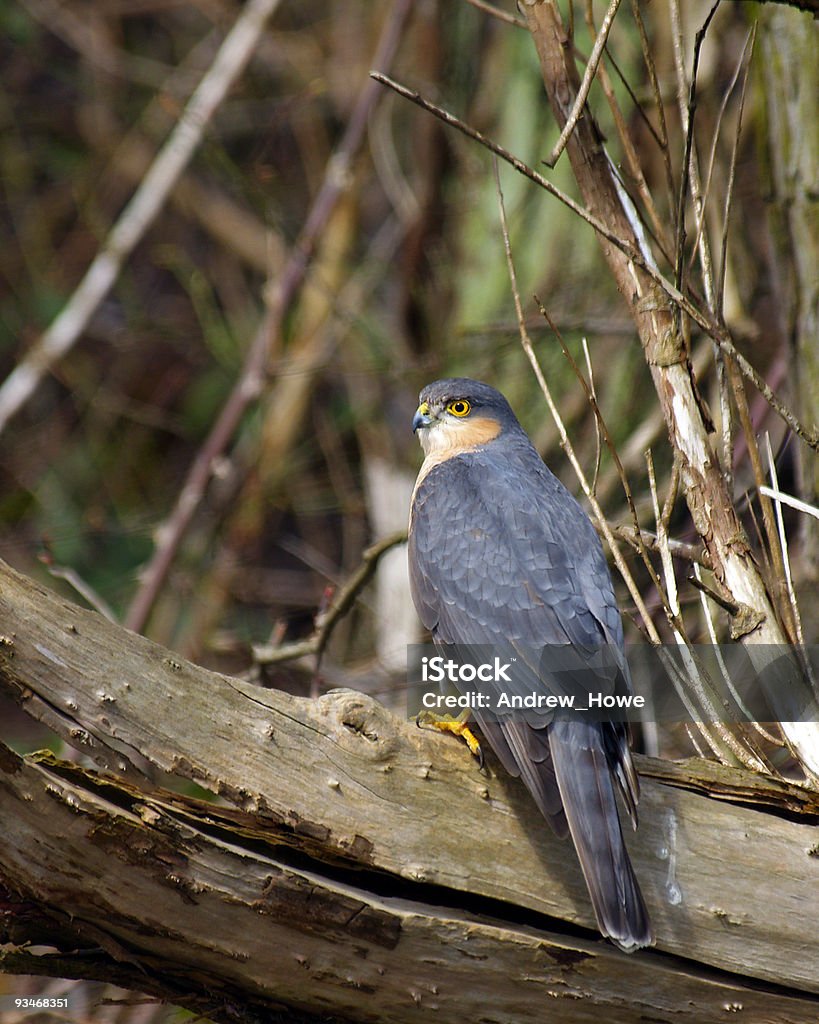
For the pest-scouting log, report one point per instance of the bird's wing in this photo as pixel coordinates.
(502, 554)
(488, 535)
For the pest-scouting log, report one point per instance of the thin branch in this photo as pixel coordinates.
(695, 579)
(329, 618)
(598, 432)
(783, 545)
(669, 594)
(678, 548)
(662, 135)
(729, 606)
(689, 680)
(81, 586)
(729, 191)
(511, 159)
(721, 337)
(141, 211)
(775, 561)
(690, 169)
(496, 12)
(659, 230)
(585, 85)
(251, 379)
(788, 499)
(566, 444)
(603, 431)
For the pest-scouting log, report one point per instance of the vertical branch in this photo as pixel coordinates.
(629, 149)
(585, 85)
(690, 169)
(783, 545)
(656, 92)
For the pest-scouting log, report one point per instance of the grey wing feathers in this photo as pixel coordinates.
(501, 553)
(494, 555)
(582, 770)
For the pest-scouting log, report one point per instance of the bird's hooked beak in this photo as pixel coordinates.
(422, 417)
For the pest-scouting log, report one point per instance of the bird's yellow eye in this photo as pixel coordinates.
(460, 407)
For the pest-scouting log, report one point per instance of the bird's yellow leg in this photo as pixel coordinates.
(457, 726)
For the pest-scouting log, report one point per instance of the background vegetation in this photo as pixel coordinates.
(407, 282)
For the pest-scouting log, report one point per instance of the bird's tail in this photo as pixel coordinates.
(584, 778)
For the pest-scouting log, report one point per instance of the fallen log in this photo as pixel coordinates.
(357, 868)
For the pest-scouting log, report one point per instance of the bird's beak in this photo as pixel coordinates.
(421, 418)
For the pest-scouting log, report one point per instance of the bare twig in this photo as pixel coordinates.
(141, 211)
(598, 432)
(658, 225)
(695, 579)
(603, 431)
(81, 586)
(729, 606)
(774, 553)
(661, 135)
(510, 158)
(729, 191)
(496, 12)
(783, 545)
(669, 593)
(678, 548)
(714, 289)
(789, 499)
(694, 677)
(690, 170)
(585, 85)
(251, 379)
(566, 444)
(329, 618)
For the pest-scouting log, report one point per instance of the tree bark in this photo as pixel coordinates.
(356, 867)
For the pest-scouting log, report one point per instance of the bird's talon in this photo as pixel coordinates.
(456, 726)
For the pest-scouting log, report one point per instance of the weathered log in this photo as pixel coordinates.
(360, 868)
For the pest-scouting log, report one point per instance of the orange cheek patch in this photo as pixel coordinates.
(451, 439)
(476, 431)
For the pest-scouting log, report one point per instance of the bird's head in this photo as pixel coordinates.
(459, 414)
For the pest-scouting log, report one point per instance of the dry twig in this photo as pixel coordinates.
(585, 85)
(566, 444)
(328, 619)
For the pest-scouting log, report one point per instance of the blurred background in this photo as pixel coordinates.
(407, 282)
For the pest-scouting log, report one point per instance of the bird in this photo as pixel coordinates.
(501, 553)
